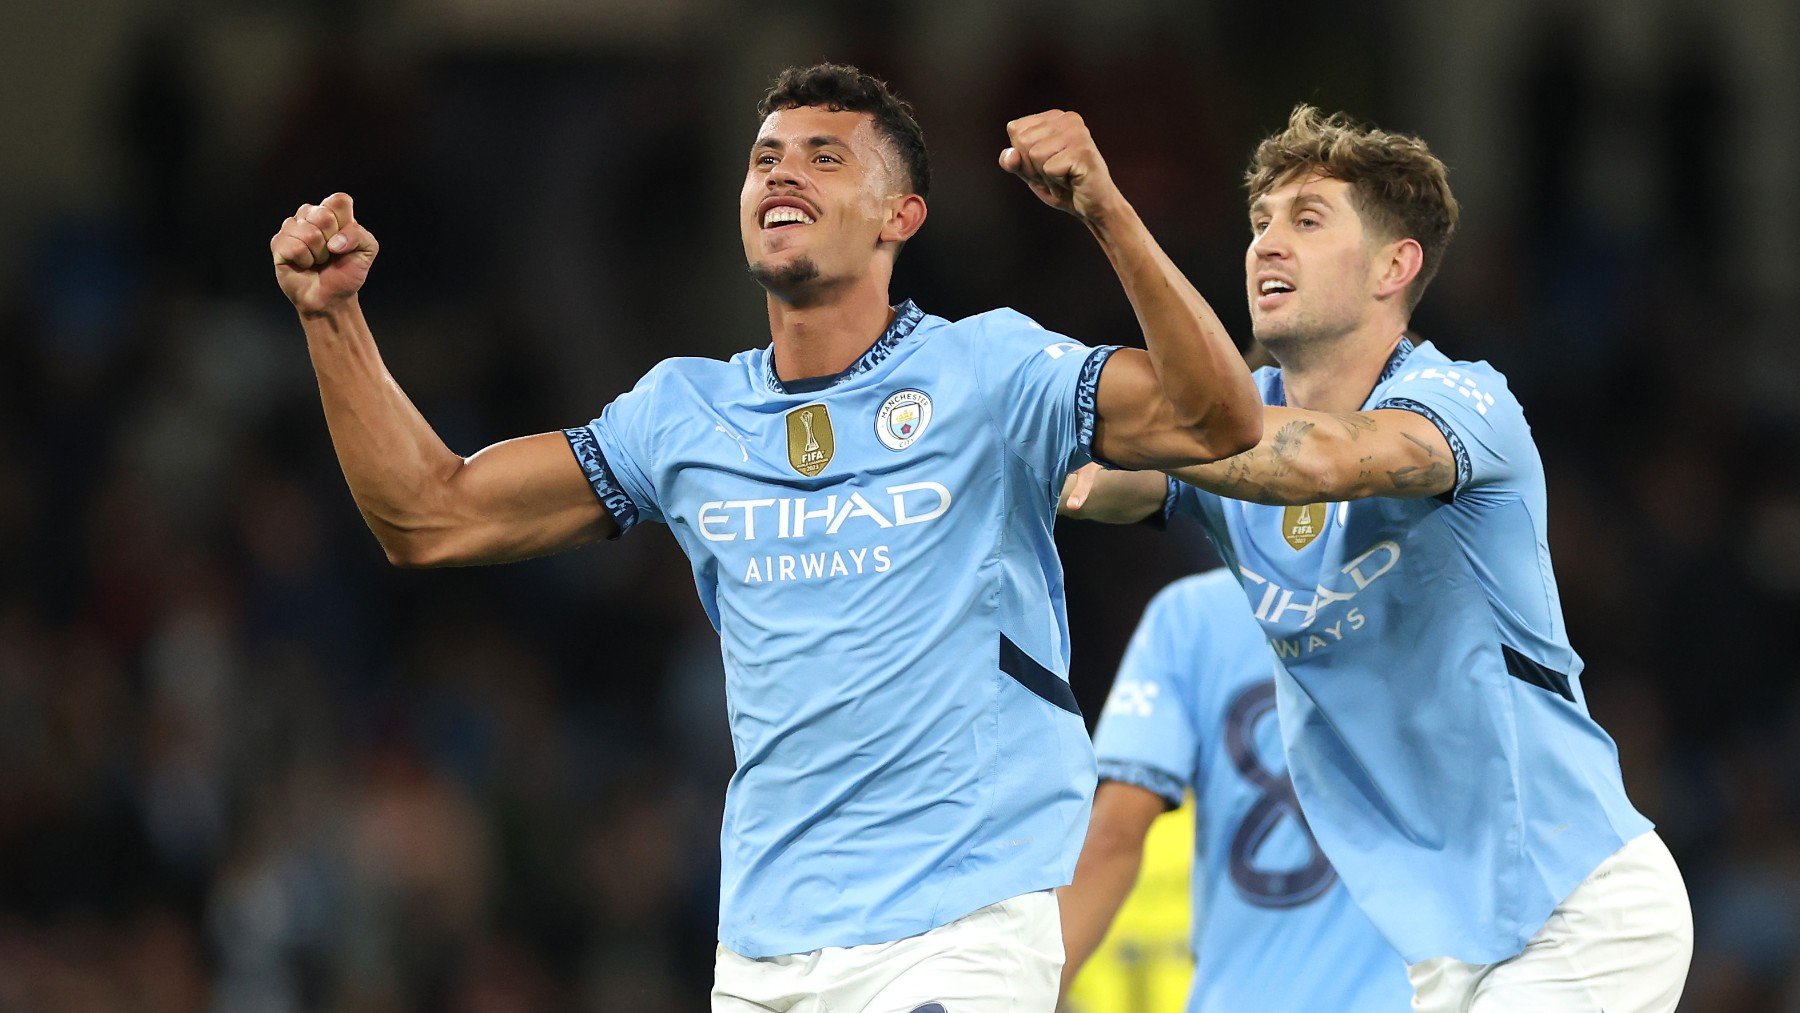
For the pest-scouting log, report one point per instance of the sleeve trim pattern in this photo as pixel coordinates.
(1464, 469)
(599, 475)
(1167, 786)
(1087, 397)
(1171, 497)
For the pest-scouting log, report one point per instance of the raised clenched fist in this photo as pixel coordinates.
(322, 255)
(1054, 153)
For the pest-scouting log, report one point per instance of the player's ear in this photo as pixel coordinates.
(1397, 265)
(905, 217)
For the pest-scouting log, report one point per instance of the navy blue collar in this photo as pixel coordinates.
(1402, 352)
(906, 318)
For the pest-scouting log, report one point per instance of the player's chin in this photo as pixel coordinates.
(785, 276)
(1271, 330)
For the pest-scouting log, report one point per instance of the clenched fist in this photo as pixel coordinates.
(1054, 153)
(322, 255)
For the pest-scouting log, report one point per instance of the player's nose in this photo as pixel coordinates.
(786, 174)
(1270, 243)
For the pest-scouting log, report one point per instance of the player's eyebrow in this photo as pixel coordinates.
(815, 142)
(1260, 206)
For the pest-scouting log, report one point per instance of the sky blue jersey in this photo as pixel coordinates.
(875, 551)
(1436, 731)
(1194, 707)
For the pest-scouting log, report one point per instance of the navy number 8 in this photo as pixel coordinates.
(1280, 888)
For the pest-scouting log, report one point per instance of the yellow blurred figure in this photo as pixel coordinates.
(1145, 964)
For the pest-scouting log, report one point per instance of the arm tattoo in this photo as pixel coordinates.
(1287, 440)
(1430, 475)
(1272, 471)
(1254, 474)
(1355, 423)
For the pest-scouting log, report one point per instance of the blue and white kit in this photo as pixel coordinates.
(875, 551)
(1194, 707)
(1431, 705)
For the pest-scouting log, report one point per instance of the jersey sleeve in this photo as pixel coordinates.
(1041, 389)
(1472, 406)
(1146, 734)
(616, 449)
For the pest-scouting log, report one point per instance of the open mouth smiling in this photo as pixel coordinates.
(784, 213)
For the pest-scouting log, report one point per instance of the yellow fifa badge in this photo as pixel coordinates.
(1301, 524)
(809, 439)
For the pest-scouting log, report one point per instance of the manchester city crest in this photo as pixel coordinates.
(903, 418)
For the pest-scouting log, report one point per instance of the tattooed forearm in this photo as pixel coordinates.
(1436, 473)
(1428, 476)
(1236, 477)
(1262, 474)
(1287, 440)
(1355, 423)
(1306, 458)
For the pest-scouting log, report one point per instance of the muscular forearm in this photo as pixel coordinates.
(1330, 457)
(1113, 497)
(1284, 469)
(1103, 879)
(396, 465)
(1201, 373)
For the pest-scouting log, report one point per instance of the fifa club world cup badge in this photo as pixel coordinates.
(903, 418)
(1301, 524)
(810, 444)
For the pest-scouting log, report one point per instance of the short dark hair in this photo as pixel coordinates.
(1398, 186)
(842, 88)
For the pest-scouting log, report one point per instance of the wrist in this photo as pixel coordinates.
(331, 314)
(1108, 214)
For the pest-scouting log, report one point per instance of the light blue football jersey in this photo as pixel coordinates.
(1431, 705)
(875, 551)
(1194, 707)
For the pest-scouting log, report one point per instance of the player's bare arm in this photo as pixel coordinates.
(1107, 869)
(1331, 457)
(1187, 400)
(1304, 457)
(427, 505)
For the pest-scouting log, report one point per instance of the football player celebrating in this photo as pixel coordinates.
(1389, 532)
(867, 505)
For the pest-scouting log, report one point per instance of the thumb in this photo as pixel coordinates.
(344, 209)
(1009, 159)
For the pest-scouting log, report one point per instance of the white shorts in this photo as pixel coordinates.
(1620, 943)
(1004, 958)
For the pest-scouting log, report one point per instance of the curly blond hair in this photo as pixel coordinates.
(1401, 190)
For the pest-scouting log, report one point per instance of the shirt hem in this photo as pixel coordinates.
(783, 946)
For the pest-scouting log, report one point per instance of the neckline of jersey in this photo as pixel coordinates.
(906, 319)
(1396, 359)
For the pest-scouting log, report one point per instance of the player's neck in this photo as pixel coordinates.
(1339, 377)
(825, 338)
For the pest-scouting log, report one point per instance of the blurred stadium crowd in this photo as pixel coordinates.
(244, 765)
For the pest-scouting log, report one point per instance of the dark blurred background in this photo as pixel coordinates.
(244, 765)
